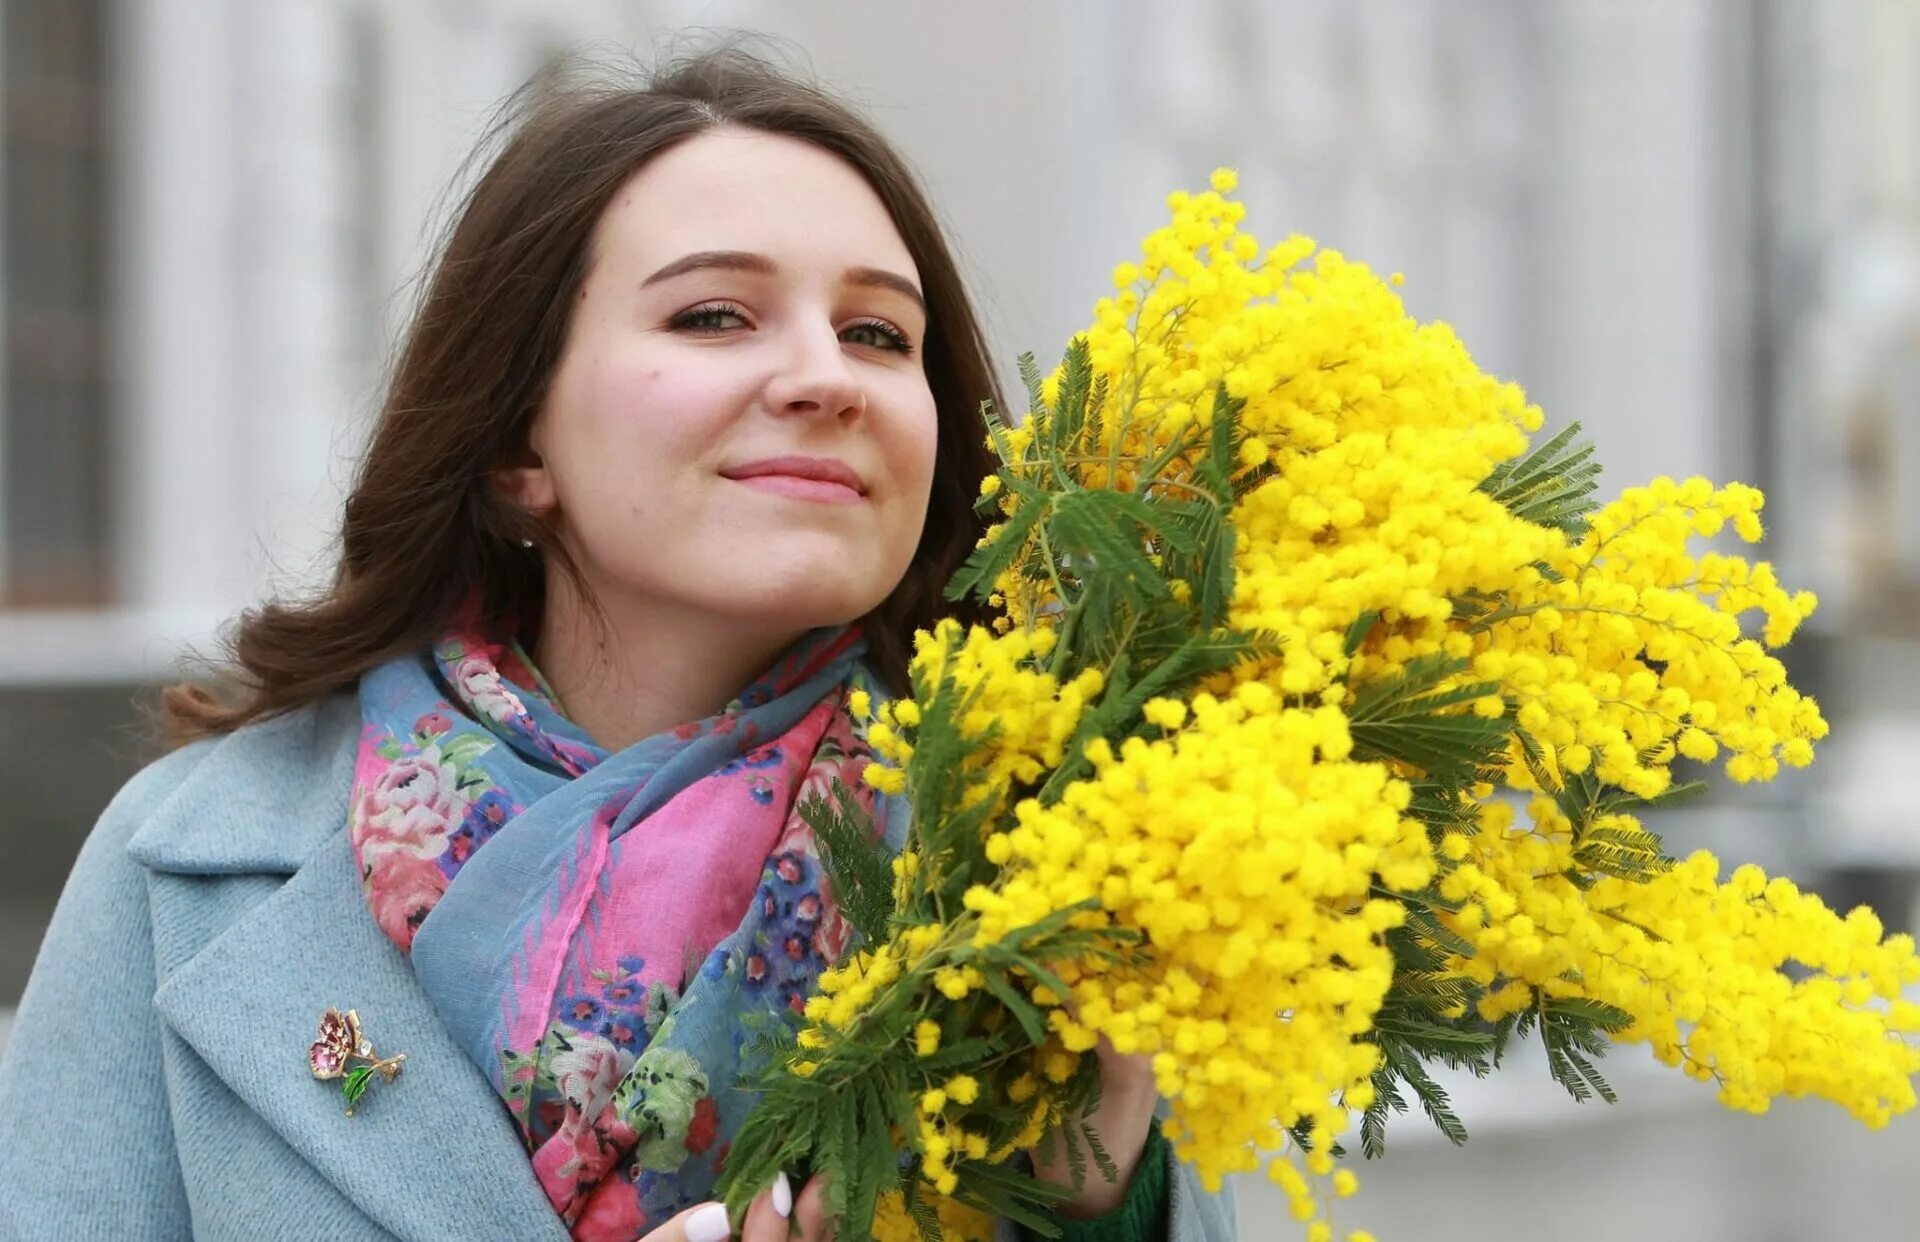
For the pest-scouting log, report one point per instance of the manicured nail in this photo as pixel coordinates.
(709, 1224)
(782, 1195)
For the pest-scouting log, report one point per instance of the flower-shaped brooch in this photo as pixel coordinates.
(341, 1043)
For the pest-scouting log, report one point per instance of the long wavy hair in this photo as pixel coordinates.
(425, 534)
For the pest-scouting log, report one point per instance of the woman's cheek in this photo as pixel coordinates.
(918, 446)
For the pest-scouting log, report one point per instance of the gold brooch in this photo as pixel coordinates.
(341, 1042)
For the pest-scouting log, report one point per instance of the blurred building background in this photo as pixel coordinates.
(1692, 225)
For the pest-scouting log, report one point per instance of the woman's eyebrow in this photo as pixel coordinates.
(747, 261)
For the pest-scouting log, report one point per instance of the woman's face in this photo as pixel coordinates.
(740, 425)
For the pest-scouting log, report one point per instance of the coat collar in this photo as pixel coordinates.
(430, 1155)
(260, 800)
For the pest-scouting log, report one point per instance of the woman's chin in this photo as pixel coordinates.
(837, 584)
(820, 602)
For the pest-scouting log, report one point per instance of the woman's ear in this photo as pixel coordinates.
(525, 480)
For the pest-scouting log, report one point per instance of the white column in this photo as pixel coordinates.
(1894, 193)
(1482, 268)
(294, 405)
(182, 508)
(448, 67)
(1627, 302)
(414, 161)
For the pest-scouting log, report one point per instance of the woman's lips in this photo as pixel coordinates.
(803, 489)
(827, 480)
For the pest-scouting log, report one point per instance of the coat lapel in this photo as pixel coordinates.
(429, 1155)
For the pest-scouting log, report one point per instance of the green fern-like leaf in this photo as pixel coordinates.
(1432, 1038)
(1214, 591)
(1003, 1190)
(1627, 853)
(1572, 1030)
(1373, 1123)
(1006, 546)
(1432, 1097)
(1024, 1011)
(1076, 1159)
(923, 1214)
(858, 864)
(1413, 719)
(1153, 518)
(1031, 380)
(1436, 985)
(1573, 1071)
(879, 1169)
(1358, 631)
(1550, 485)
(1581, 1011)
(1102, 1161)
(1069, 414)
(1090, 526)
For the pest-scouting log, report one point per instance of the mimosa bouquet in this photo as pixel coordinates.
(1306, 752)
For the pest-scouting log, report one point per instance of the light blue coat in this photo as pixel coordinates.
(156, 1083)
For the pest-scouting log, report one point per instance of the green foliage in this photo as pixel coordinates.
(923, 1213)
(1550, 485)
(1007, 543)
(1627, 851)
(1433, 1100)
(1417, 719)
(1358, 631)
(1373, 1122)
(1574, 1031)
(858, 866)
(1412, 1030)
(1095, 545)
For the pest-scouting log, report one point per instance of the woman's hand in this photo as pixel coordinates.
(767, 1220)
(768, 1214)
(1125, 1115)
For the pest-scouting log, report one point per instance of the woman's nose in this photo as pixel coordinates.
(817, 378)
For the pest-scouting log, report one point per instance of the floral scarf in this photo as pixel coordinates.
(600, 930)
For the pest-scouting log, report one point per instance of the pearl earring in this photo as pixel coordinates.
(526, 543)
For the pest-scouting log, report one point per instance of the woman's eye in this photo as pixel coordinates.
(712, 318)
(701, 318)
(890, 336)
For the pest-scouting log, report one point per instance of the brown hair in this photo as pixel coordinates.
(425, 534)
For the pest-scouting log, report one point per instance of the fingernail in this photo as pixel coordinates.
(782, 1195)
(709, 1224)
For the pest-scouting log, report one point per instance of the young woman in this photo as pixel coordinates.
(682, 443)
